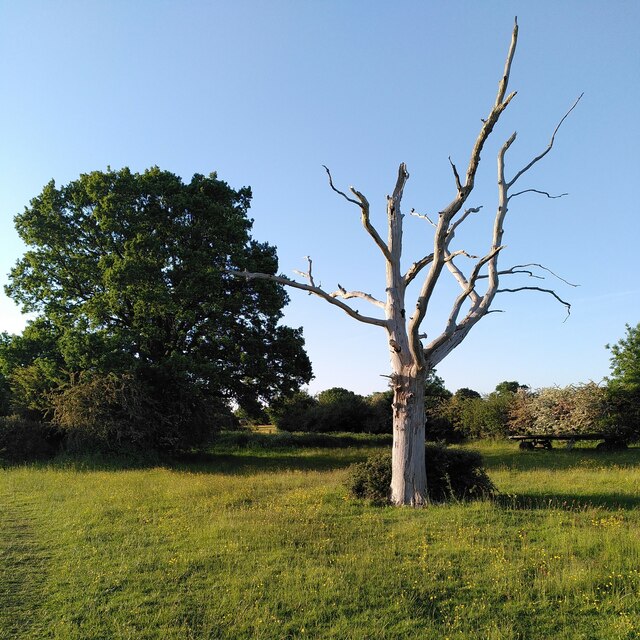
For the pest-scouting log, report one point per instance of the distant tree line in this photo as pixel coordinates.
(511, 409)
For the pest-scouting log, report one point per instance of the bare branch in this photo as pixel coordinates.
(310, 289)
(463, 282)
(549, 146)
(543, 193)
(459, 252)
(422, 216)
(522, 269)
(342, 193)
(346, 295)
(514, 271)
(551, 292)
(540, 266)
(462, 218)
(502, 87)
(394, 216)
(363, 203)
(499, 106)
(416, 268)
(308, 275)
(456, 175)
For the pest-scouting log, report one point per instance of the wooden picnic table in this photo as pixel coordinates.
(545, 441)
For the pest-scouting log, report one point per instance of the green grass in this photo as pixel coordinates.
(259, 542)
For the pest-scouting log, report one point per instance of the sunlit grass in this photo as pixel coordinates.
(259, 543)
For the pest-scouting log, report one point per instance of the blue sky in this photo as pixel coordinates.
(265, 93)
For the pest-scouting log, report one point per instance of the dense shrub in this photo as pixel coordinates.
(339, 410)
(573, 409)
(622, 418)
(22, 439)
(333, 410)
(112, 413)
(289, 413)
(31, 386)
(439, 428)
(451, 474)
(379, 418)
(473, 416)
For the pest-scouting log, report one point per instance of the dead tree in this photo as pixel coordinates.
(411, 358)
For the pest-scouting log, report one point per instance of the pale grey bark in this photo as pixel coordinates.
(411, 359)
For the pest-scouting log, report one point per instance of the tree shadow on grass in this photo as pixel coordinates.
(247, 463)
(237, 453)
(568, 501)
(563, 459)
(229, 463)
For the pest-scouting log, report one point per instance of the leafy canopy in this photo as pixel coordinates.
(127, 273)
(625, 359)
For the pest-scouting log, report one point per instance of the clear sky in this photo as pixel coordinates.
(265, 93)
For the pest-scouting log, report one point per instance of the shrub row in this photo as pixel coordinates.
(334, 410)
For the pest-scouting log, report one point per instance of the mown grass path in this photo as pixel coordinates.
(259, 543)
(23, 562)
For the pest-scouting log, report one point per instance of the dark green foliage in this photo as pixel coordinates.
(289, 413)
(434, 390)
(623, 390)
(335, 395)
(452, 474)
(22, 440)
(622, 419)
(112, 412)
(127, 272)
(341, 410)
(465, 393)
(512, 386)
(5, 396)
(438, 428)
(32, 366)
(379, 418)
(337, 410)
(371, 479)
(625, 359)
(469, 415)
(333, 410)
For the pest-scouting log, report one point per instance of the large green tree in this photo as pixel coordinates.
(625, 359)
(624, 384)
(128, 272)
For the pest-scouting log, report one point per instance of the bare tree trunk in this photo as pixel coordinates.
(408, 475)
(411, 358)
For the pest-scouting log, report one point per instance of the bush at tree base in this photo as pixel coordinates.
(452, 474)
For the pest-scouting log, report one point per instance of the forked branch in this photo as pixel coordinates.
(346, 295)
(444, 232)
(363, 204)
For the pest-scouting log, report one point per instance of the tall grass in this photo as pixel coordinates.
(255, 542)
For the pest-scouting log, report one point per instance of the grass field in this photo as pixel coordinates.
(260, 542)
